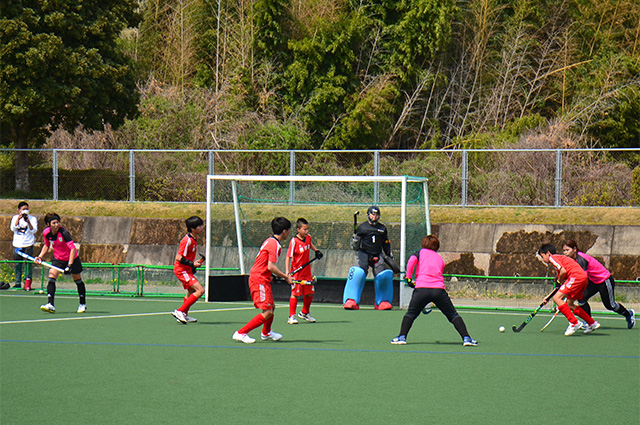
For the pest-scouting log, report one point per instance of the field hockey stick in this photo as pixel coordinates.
(532, 315)
(299, 282)
(44, 263)
(355, 221)
(551, 320)
(305, 264)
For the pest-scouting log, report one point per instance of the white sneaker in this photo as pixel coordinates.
(306, 317)
(48, 308)
(180, 316)
(82, 308)
(573, 328)
(237, 336)
(273, 336)
(590, 328)
(292, 320)
(190, 319)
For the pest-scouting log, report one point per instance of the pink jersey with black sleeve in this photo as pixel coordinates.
(429, 268)
(596, 272)
(62, 243)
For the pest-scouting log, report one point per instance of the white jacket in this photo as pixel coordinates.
(22, 235)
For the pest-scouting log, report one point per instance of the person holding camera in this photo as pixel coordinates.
(24, 227)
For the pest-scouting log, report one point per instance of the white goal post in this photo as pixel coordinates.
(290, 190)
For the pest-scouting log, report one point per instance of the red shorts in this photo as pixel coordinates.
(299, 290)
(186, 277)
(261, 294)
(573, 288)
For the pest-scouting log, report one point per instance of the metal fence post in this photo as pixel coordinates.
(465, 176)
(558, 200)
(54, 170)
(132, 177)
(376, 173)
(292, 172)
(212, 168)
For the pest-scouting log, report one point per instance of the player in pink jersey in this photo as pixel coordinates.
(573, 281)
(185, 267)
(429, 287)
(65, 256)
(260, 283)
(297, 256)
(600, 281)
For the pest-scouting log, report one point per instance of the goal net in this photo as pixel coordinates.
(328, 203)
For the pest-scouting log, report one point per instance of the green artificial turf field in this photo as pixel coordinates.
(127, 361)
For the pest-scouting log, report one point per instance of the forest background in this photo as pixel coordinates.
(321, 74)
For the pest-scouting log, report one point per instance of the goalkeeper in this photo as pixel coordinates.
(371, 243)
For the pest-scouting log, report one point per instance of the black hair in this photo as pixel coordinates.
(301, 222)
(550, 248)
(50, 217)
(22, 204)
(280, 224)
(193, 222)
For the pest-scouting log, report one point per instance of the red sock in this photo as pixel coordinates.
(564, 309)
(188, 302)
(266, 328)
(293, 303)
(583, 315)
(253, 323)
(306, 304)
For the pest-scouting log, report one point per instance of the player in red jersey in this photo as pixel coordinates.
(260, 283)
(298, 255)
(573, 281)
(185, 268)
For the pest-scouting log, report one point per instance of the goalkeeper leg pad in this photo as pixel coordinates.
(354, 286)
(383, 285)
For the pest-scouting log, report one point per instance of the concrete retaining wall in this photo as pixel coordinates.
(478, 249)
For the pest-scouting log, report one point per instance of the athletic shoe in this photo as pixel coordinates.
(180, 316)
(573, 328)
(190, 319)
(82, 308)
(273, 336)
(590, 328)
(399, 340)
(351, 305)
(17, 285)
(48, 308)
(5, 285)
(631, 320)
(292, 320)
(237, 336)
(467, 341)
(428, 308)
(308, 317)
(384, 305)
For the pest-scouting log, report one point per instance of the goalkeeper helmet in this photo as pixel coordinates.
(375, 211)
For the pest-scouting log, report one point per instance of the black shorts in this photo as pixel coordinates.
(76, 267)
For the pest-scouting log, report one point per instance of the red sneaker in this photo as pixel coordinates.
(384, 305)
(351, 305)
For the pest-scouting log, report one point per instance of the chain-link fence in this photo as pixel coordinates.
(483, 177)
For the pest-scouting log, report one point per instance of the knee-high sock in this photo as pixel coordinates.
(257, 320)
(186, 305)
(306, 303)
(458, 323)
(566, 311)
(266, 328)
(293, 304)
(583, 315)
(82, 291)
(51, 290)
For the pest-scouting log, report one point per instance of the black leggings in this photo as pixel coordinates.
(607, 294)
(423, 296)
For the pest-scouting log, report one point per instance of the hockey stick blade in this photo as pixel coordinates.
(532, 315)
(42, 263)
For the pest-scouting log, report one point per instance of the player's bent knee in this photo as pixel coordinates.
(354, 286)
